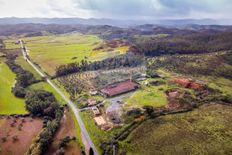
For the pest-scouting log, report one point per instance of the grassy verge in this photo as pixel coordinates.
(96, 134)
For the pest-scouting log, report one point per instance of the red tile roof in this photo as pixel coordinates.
(119, 88)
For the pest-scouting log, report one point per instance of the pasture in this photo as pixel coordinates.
(9, 104)
(21, 61)
(152, 96)
(206, 130)
(55, 50)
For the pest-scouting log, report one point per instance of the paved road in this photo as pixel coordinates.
(84, 132)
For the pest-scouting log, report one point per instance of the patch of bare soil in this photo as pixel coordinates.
(67, 128)
(17, 134)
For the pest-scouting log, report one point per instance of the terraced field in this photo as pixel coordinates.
(54, 50)
(9, 104)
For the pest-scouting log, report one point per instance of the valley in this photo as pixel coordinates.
(159, 91)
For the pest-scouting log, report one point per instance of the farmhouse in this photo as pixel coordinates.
(189, 84)
(96, 111)
(91, 102)
(119, 88)
(183, 82)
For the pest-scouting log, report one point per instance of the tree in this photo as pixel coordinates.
(41, 102)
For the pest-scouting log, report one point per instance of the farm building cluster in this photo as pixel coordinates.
(111, 115)
(109, 94)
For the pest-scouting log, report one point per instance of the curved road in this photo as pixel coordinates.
(85, 135)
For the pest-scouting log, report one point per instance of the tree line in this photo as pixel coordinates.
(23, 78)
(126, 60)
(44, 104)
(39, 103)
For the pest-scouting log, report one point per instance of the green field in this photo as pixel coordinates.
(47, 87)
(54, 50)
(9, 104)
(152, 95)
(206, 130)
(21, 61)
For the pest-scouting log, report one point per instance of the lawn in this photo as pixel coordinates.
(206, 130)
(9, 104)
(152, 95)
(54, 50)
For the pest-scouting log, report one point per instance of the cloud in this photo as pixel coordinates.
(120, 9)
(151, 9)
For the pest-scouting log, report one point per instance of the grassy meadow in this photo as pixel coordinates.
(9, 104)
(153, 96)
(206, 130)
(21, 61)
(54, 50)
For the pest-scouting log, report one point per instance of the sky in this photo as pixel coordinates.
(118, 9)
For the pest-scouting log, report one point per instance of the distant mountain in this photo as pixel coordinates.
(113, 22)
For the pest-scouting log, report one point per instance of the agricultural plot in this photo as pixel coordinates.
(9, 104)
(21, 61)
(67, 128)
(17, 134)
(54, 50)
(94, 80)
(206, 130)
(152, 96)
(11, 44)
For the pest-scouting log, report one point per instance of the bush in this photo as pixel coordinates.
(64, 142)
(19, 91)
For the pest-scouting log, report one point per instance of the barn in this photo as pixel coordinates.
(119, 88)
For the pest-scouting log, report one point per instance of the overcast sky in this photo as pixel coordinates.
(118, 9)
